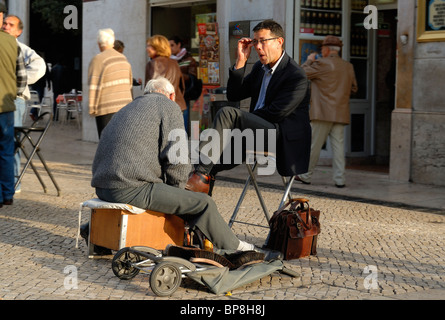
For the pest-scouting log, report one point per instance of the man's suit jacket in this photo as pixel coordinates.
(286, 104)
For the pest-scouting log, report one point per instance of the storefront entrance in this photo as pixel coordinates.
(373, 55)
(180, 19)
(195, 24)
(386, 58)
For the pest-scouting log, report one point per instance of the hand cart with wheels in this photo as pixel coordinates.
(167, 271)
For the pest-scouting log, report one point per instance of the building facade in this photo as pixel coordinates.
(399, 113)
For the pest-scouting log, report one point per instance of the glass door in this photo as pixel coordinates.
(359, 134)
(345, 19)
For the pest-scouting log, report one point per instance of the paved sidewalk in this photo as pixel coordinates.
(380, 239)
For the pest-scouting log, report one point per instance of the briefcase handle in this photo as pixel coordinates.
(294, 202)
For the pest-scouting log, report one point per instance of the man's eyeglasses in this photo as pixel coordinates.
(262, 41)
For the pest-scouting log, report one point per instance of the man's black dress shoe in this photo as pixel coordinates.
(297, 178)
(8, 202)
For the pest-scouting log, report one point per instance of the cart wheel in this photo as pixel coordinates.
(122, 264)
(165, 279)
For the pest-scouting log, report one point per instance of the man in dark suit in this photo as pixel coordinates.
(280, 97)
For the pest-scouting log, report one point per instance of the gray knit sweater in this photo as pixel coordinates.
(133, 148)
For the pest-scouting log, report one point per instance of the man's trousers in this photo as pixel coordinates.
(197, 209)
(6, 156)
(241, 123)
(321, 130)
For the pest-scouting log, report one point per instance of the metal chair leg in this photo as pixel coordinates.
(27, 164)
(287, 193)
(250, 179)
(23, 133)
(243, 194)
(59, 191)
(260, 197)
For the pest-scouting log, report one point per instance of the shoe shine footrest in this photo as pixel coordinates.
(116, 229)
(117, 225)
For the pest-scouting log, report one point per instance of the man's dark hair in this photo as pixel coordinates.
(274, 27)
(119, 45)
(177, 40)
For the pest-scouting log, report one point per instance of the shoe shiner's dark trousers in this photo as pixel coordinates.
(197, 209)
(233, 118)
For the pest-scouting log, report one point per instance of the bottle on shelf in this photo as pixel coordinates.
(359, 5)
(325, 30)
(363, 44)
(307, 4)
(309, 19)
(321, 4)
(338, 27)
(303, 21)
(314, 21)
(359, 43)
(337, 4)
(353, 44)
(319, 27)
(332, 21)
(326, 5)
(324, 17)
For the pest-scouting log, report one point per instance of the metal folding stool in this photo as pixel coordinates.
(23, 134)
(251, 179)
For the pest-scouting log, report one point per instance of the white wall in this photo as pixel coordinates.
(128, 19)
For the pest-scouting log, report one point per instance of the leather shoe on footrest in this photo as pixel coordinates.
(198, 182)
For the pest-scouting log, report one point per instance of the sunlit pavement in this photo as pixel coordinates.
(379, 240)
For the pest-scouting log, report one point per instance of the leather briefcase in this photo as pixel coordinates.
(294, 232)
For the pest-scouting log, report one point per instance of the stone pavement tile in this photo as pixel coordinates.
(365, 251)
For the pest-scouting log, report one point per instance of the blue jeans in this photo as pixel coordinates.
(20, 107)
(6, 156)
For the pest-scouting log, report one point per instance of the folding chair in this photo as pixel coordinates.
(33, 103)
(74, 107)
(46, 104)
(252, 179)
(23, 134)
